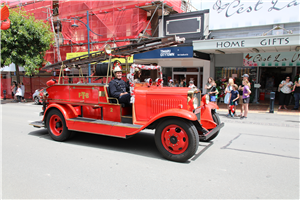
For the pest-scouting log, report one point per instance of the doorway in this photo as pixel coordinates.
(189, 77)
(270, 78)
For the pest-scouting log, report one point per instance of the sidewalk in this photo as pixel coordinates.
(12, 101)
(253, 108)
(262, 108)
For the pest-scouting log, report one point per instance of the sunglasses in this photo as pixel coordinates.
(287, 78)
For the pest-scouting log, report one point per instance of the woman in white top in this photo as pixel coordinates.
(227, 92)
(19, 93)
(285, 92)
(23, 91)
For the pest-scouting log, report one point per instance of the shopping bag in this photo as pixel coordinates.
(226, 99)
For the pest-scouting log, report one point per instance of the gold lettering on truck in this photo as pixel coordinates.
(83, 95)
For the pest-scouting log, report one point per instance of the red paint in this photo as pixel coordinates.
(56, 125)
(174, 139)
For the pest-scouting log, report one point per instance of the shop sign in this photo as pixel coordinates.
(173, 52)
(76, 54)
(226, 14)
(251, 42)
(272, 59)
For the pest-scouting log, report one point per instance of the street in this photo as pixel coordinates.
(257, 158)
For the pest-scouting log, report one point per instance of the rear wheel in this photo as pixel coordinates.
(176, 139)
(56, 126)
(217, 120)
(36, 100)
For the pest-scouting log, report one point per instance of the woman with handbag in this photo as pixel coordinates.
(285, 92)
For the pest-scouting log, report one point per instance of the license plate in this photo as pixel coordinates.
(197, 111)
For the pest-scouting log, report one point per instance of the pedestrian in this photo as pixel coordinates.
(241, 88)
(12, 88)
(234, 97)
(191, 84)
(171, 83)
(296, 91)
(19, 94)
(137, 76)
(213, 92)
(228, 90)
(23, 92)
(176, 83)
(285, 92)
(246, 98)
(208, 85)
(184, 82)
(181, 83)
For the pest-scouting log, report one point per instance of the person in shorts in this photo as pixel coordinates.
(234, 97)
(246, 98)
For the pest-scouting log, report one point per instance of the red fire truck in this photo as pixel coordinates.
(180, 116)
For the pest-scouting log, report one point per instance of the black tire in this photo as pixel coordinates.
(36, 100)
(181, 144)
(56, 126)
(217, 120)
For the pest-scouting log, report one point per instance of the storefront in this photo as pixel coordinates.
(267, 59)
(178, 63)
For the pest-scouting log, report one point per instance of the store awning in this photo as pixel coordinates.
(258, 44)
(11, 68)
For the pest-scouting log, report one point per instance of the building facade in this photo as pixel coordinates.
(259, 38)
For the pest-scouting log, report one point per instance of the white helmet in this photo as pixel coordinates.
(117, 69)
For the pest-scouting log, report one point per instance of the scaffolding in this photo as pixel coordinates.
(119, 22)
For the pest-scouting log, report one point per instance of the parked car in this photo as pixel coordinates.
(36, 97)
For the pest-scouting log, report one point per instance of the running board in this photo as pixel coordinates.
(38, 124)
(104, 122)
(212, 132)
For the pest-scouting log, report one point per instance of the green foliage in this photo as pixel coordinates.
(26, 41)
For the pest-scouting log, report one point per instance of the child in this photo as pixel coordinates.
(213, 92)
(246, 98)
(234, 96)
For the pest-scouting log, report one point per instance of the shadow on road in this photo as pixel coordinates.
(141, 144)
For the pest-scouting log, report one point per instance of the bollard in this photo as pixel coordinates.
(272, 100)
(4, 94)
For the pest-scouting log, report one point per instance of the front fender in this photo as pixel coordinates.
(206, 119)
(174, 112)
(67, 110)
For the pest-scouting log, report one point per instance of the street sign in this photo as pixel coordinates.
(257, 85)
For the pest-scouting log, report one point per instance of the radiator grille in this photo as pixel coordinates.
(159, 105)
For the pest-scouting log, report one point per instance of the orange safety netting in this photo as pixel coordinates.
(116, 21)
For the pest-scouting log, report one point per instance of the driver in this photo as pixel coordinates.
(118, 88)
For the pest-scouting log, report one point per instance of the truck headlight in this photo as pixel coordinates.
(195, 102)
(207, 99)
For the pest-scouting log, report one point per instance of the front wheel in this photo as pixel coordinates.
(56, 126)
(36, 100)
(217, 120)
(176, 139)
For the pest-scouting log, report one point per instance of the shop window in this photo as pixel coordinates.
(185, 69)
(223, 73)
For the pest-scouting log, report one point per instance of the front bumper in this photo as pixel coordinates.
(209, 134)
(38, 124)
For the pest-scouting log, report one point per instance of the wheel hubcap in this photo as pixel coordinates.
(56, 125)
(174, 139)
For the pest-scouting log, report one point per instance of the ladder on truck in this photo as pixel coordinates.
(123, 51)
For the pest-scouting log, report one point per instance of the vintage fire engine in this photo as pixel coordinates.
(180, 117)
